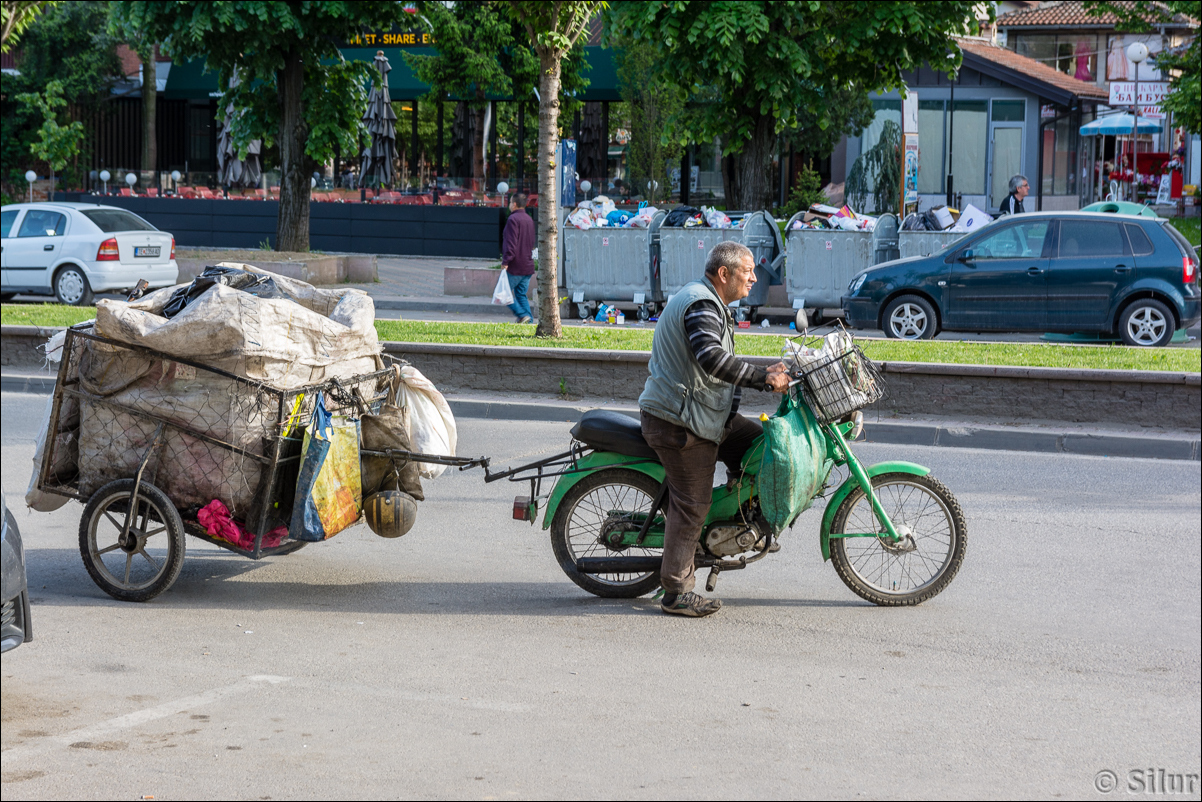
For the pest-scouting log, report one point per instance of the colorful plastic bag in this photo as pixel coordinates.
(329, 492)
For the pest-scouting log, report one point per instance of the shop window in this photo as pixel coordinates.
(970, 140)
(1005, 111)
(1073, 54)
(931, 144)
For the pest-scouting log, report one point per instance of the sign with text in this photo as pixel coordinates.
(1151, 96)
(910, 113)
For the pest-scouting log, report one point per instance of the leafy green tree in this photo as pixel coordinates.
(1182, 65)
(67, 43)
(651, 103)
(756, 68)
(145, 48)
(15, 17)
(57, 144)
(806, 192)
(479, 54)
(554, 28)
(296, 88)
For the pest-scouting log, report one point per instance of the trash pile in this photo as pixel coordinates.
(601, 212)
(211, 455)
(823, 217)
(941, 218)
(705, 217)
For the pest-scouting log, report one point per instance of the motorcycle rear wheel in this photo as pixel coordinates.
(576, 530)
(877, 570)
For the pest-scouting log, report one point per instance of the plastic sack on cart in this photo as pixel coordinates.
(329, 493)
(66, 458)
(256, 284)
(794, 465)
(389, 429)
(432, 427)
(502, 293)
(284, 344)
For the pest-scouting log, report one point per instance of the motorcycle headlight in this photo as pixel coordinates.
(856, 283)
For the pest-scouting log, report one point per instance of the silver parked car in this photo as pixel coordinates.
(17, 628)
(73, 250)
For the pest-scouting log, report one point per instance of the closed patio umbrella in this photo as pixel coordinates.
(376, 167)
(232, 171)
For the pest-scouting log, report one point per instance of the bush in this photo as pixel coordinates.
(805, 194)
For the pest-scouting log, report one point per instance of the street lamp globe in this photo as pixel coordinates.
(175, 175)
(502, 187)
(312, 183)
(105, 175)
(31, 176)
(1137, 51)
(131, 179)
(585, 186)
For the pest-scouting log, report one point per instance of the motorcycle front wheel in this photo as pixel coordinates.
(922, 563)
(595, 504)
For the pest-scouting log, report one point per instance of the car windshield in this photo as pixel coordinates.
(113, 220)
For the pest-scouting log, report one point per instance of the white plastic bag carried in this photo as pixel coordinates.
(503, 294)
(431, 425)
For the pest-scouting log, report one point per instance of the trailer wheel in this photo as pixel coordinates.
(133, 561)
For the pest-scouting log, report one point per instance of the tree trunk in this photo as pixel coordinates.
(746, 174)
(548, 196)
(149, 110)
(292, 225)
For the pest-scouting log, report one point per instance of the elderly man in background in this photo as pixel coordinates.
(517, 245)
(1013, 204)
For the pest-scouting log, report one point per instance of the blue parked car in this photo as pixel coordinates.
(1084, 272)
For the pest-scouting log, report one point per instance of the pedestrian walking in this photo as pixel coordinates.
(517, 245)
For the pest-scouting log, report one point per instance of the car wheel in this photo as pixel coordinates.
(909, 317)
(1147, 323)
(71, 287)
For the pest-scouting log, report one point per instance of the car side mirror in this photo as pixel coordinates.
(965, 257)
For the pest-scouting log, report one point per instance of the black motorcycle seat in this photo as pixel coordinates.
(606, 430)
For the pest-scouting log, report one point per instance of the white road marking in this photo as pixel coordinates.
(130, 720)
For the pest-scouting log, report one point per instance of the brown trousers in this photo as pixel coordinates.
(689, 463)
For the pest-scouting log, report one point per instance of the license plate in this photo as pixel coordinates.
(146, 251)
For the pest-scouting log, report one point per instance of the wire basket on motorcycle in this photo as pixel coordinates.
(834, 376)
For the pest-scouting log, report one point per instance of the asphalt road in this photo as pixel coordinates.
(459, 662)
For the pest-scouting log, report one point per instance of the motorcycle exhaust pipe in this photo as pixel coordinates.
(618, 565)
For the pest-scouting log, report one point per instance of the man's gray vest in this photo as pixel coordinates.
(678, 390)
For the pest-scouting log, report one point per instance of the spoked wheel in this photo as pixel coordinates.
(138, 563)
(601, 504)
(918, 566)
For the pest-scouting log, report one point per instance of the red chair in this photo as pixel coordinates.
(152, 192)
(126, 192)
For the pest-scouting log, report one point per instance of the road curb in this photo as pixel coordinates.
(1187, 446)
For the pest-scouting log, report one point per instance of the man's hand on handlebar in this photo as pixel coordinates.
(778, 382)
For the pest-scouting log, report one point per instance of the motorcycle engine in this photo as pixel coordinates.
(727, 541)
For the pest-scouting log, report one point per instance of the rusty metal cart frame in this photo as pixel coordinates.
(123, 501)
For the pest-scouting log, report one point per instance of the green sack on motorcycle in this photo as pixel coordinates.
(794, 466)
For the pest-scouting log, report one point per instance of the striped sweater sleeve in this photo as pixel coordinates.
(704, 323)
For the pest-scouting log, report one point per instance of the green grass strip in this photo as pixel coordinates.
(1052, 355)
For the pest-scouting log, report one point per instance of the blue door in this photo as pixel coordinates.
(999, 282)
(1092, 262)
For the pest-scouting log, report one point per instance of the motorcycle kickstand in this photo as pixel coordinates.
(711, 581)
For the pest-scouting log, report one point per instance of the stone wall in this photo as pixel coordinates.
(1004, 394)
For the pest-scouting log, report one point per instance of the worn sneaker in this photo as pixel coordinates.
(525, 319)
(691, 605)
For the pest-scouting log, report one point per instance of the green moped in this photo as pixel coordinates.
(895, 534)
